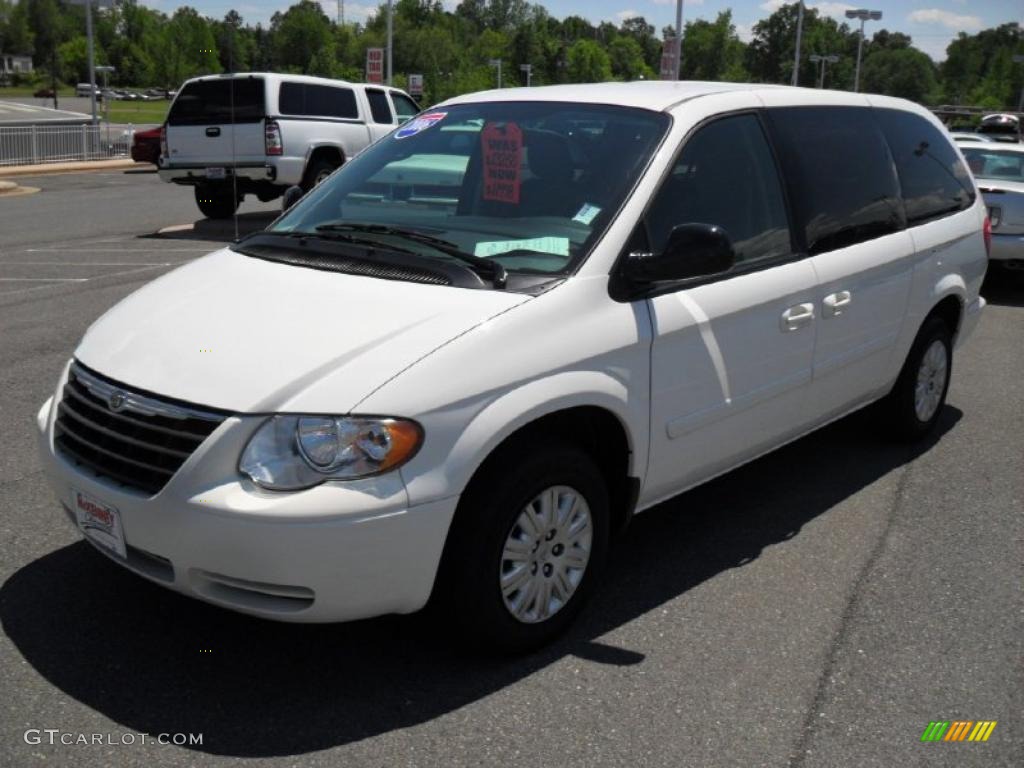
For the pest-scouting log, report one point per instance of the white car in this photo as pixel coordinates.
(961, 137)
(457, 368)
(228, 136)
(999, 169)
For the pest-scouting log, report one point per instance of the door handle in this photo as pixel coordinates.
(835, 303)
(797, 316)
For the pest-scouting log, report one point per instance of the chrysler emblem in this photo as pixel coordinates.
(116, 401)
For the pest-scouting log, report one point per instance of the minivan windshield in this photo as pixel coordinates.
(529, 185)
(986, 163)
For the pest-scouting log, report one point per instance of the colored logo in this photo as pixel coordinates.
(958, 730)
(420, 123)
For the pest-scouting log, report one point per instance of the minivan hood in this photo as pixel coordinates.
(248, 335)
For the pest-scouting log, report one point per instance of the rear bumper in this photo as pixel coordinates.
(1007, 247)
(279, 171)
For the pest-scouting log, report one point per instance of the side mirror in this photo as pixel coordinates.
(292, 195)
(693, 250)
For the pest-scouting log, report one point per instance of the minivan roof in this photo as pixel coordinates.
(662, 95)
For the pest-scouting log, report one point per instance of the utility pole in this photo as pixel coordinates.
(528, 69)
(799, 36)
(679, 38)
(496, 63)
(863, 14)
(92, 61)
(391, 41)
(830, 58)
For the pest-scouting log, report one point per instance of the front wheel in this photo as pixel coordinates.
(527, 548)
(216, 201)
(916, 401)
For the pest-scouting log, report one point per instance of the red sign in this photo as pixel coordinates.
(502, 155)
(375, 65)
(668, 59)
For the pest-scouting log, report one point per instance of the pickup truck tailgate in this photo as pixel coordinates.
(217, 123)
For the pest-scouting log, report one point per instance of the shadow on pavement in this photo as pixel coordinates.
(1004, 287)
(218, 230)
(131, 650)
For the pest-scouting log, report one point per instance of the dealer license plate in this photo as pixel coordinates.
(99, 522)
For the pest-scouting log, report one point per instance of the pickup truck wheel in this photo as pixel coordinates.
(318, 170)
(528, 546)
(216, 202)
(915, 403)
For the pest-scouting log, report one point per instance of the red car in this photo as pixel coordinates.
(146, 146)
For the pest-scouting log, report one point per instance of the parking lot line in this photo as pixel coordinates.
(44, 279)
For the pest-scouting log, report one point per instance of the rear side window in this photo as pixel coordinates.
(379, 109)
(312, 100)
(725, 176)
(219, 101)
(841, 175)
(934, 181)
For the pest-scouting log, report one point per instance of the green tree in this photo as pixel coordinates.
(904, 72)
(627, 59)
(15, 33)
(587, 62)
(298, 34)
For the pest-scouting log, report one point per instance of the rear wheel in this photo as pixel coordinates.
(528, 546)
(216, 201)
(319, 169)
(916, 402)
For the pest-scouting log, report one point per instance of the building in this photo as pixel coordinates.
(11, 63)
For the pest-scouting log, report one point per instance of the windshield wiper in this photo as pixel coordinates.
(492, 269)
(339, 237)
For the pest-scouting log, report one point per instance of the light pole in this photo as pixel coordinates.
(496, 63)
(679, 38)
(799, 35)
(528, 69)
(863, 14)
(104, 70)
(391, 21)
(830, 58)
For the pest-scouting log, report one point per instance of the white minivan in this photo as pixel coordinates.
(452, 372)
(258, 133)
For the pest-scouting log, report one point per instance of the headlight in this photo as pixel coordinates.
(288, 453)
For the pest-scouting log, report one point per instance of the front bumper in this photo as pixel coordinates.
(1007, 247)
(337, 552)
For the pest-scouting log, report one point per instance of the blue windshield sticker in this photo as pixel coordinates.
(419, 123)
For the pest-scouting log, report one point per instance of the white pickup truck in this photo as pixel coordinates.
(259, 133)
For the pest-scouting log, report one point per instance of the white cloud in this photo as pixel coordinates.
(627, 14)
(952, 21)
(826, 8)
(745, 32)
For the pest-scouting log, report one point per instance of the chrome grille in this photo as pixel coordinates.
(136, 439)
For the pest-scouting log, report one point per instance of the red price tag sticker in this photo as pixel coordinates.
(502, 155)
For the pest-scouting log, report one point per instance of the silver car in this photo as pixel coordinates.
(999, 169)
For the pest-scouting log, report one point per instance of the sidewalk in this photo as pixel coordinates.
(75, 167)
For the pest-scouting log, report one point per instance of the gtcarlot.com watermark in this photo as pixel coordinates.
(57, 737)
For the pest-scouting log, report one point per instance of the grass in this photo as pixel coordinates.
(137, 111)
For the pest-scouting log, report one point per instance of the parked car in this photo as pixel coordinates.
(270, 132)
(44, 93)
(84, 89)
(462, 384)
(999, 169)
(965, 136)
(146, 146)
(1001, 127)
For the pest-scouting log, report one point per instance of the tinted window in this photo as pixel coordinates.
(379, 108)
(404, 106)
(933, 180)
(316, 100)
(725, 176)
(219, 101)
(841, 175)
(994, 163)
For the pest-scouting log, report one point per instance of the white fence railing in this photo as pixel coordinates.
(31, 144)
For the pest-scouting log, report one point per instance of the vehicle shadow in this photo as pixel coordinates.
(157, 662)
(218, 230)
(1004, 287)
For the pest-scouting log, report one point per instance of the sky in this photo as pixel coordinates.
(931, 23)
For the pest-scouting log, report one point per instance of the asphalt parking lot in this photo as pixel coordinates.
(817, 607)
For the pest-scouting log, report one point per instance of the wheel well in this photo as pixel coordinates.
(949, 310)
(325, 153)
(598, 432)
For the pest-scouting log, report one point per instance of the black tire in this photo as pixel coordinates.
(469, 597)
(903, 420)
(216, 201)
(319, 169)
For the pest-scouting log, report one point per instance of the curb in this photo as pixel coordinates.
(10, 189)
(76, 167)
